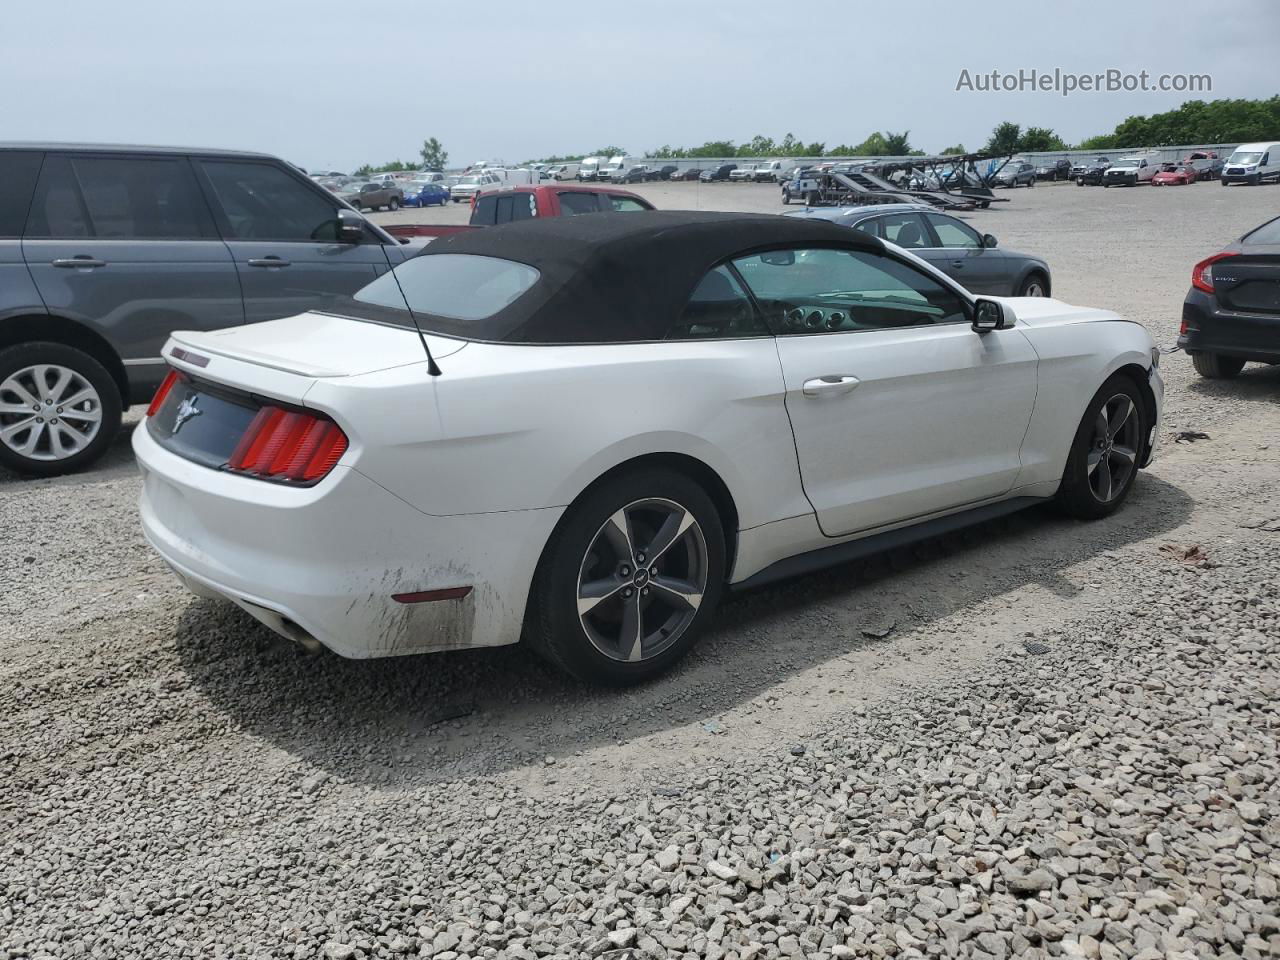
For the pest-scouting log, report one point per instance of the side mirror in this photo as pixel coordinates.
(779, 258)
(988, 315)
(988, 240)
(350, 227)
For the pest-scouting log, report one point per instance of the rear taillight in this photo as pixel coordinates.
(1202, 272)
(163, 391)
(288, 445)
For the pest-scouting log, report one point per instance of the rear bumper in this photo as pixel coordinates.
(323, 563)
(1210, 329)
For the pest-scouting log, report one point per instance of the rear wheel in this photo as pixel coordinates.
(1034, 286)
(394, 204)
(629, 578)
(1215, 366)
(1103, 462)
(59, 409)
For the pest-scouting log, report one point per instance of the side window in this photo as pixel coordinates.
(485, 213)
(871, 227)
(57, 209)
(262, 202)
(503, 210)
(718, 309)
(573, 203)
(838, 291)
(905, 229)
(953, 233)
(623, 204)
(137, 198)
(524, 206)
(18, 172)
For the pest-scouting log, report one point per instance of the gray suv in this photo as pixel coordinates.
(104, 250)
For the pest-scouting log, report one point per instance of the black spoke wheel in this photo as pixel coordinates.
(1107, 450)
(627, 580)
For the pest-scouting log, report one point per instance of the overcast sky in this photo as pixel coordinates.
(328, 85)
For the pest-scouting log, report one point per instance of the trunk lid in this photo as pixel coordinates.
(1249, 283)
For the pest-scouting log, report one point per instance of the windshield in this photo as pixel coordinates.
(455, 286)
(1248, 157)
(469, 182)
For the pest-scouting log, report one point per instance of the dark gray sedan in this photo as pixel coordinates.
(950, 244)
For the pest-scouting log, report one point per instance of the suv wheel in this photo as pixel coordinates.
(59, 409)
(394, 204)
(628, 579)
(1214, 366)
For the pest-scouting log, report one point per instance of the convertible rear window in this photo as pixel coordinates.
(453, 285)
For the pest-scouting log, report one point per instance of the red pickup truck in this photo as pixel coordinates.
(525, 202)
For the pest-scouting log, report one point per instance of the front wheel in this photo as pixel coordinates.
(1214, 366)
(629, 578)
(393, 205)
(1034, 286)
(1104, 457)
(59, 409)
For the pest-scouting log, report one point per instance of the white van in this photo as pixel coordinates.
(1131, 171)
(1253, 163)
(617, 167)
(589, 168)
(773, 171)
(561, 171)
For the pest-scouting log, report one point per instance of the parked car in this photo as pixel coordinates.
(638, 173)
(812, 396)
(1172, 174)
(1252, 163)
(562, 171)
(772, 171)
(717, 174)
(1088, 173)
(1131, 171)
(660, 173)
(104, 250)
(743, 174)
(1054, 170)
(1206, 163)
(948, 243)
(523, 203)
(372, 196)
(471, 184)
(1016, 173)
(419, 194)
(1231, 315)
(689, 173)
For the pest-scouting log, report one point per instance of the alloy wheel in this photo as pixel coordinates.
(642, 580)
(1113, 448)
(1034, 289)
(48, 412)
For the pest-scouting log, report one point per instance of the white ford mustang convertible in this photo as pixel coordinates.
(580, 432)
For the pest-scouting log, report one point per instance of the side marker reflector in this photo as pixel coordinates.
(428, 596)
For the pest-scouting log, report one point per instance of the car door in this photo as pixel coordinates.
(126, 245)
(958, 251)
(898, 408)
(280, 232)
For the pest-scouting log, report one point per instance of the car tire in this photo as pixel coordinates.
(1214, 366)
(394, 204)
(1035, 285)
(1086, 492)
(592, 545)
(87, 376)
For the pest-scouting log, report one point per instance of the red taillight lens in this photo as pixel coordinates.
(163, 391)
(1202, 272)
(288, 445)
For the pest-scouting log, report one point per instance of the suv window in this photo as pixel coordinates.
(952, 233)
(573, 202)
(262, 202)
(57, 209)
(849, 290)
(18, 172)
(718, 309)
(141, 198)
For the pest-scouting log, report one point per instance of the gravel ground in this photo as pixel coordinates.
(1044, 738)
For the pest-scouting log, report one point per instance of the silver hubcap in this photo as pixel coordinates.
(1113, 450)
(48, 412)
(642, 580)
(1034, 290)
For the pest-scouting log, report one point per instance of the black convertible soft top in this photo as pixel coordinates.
(616, 277)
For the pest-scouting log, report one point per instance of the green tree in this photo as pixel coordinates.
(953, 151)
(434, 155)
(897, 144)
(814, 149)
(789, 144)
(1004, 138)
(874, 146)
(1040, 139)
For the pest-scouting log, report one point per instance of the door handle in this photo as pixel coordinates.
(81, 262)
(269, 262)
(829, 385)
(957, 264)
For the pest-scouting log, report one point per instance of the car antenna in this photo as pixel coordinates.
(433, 369)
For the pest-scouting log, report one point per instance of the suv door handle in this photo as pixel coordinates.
(269, 262)
(957, 264)
(834, 384)
(79, 262)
